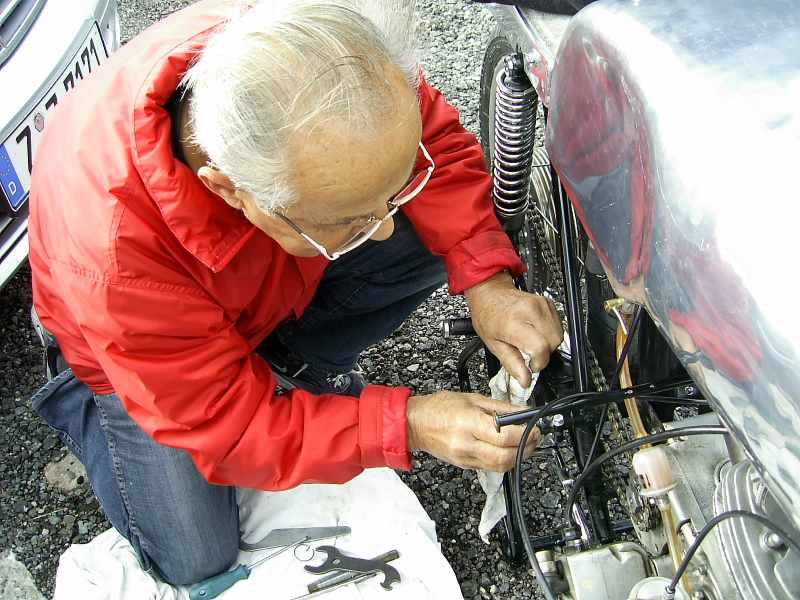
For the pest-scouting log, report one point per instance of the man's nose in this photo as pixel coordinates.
(385, 231)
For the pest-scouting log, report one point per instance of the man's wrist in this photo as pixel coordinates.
(411, 409)
(501, 279)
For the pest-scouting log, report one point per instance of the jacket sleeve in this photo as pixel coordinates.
(192, 381)
(454, 215)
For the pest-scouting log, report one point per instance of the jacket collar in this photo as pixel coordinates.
(204, 224)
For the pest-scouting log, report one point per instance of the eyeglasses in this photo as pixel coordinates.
(414, 187)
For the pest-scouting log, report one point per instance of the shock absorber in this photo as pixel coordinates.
(514, 128)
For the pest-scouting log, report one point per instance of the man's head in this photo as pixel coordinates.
(308, 109)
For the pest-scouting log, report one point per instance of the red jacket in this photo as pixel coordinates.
(159, 291)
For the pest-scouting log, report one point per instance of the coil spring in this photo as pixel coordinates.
(514, 121)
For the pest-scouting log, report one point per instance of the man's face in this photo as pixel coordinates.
(342, 178)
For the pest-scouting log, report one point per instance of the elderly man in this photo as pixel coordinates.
(275, 186)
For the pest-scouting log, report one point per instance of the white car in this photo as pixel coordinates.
(47, 47)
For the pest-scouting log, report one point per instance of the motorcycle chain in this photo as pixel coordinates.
(627, 490)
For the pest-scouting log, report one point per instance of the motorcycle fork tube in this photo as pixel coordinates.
(585, 421)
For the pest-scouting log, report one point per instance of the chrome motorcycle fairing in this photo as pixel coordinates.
(675, 128)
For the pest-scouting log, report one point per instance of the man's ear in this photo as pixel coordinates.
(218, 183)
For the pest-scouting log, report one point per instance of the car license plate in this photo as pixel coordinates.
(18, 150)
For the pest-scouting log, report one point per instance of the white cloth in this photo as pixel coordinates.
(383, 513)
(503, 387)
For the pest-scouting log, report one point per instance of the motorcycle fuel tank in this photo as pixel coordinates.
(675, 127)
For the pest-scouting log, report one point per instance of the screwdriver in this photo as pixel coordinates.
(214, 586)
(337, 579)
(354, 578)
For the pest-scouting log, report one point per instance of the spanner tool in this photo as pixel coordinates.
(337, 561)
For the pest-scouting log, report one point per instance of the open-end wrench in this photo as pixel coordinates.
(337, 561)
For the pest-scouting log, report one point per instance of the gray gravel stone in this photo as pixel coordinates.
(550, 500)
(66, 474)
(16, 582)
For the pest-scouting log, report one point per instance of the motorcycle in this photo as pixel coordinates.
(642, 153)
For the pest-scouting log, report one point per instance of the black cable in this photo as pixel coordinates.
(516, 494)
(553, 408)
(678, 527)
(556, 406)
(707, 529)
(624, 354)
(598, 434)
(632, 445)
(673, 400)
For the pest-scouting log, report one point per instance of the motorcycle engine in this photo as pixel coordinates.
(739, 560)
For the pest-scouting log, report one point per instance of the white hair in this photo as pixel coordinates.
(278, 65)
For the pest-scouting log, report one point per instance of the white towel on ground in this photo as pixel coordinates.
(383, 513)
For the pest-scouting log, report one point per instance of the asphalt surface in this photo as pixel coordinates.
(38, 523)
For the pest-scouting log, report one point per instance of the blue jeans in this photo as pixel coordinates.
(182, 528)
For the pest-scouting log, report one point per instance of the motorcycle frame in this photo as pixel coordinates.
(581, 424)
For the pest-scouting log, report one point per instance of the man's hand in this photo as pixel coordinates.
(460, 429)
(509, 321)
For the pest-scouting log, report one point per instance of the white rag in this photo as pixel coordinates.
(383, 513)
(506, 388)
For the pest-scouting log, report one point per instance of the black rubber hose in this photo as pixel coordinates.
(598, 434)
(626, 348)
(645, 389)
(516, 492)
(672, 400)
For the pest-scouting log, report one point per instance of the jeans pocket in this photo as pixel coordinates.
(63, 403)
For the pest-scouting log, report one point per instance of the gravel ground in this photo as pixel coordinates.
(38, 523)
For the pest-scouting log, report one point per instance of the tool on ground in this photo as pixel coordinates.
(214, 586)
(337, 561)
(357, 578)
(336, 578)
(278, 538)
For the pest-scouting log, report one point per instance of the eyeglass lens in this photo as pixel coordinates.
(406, 194)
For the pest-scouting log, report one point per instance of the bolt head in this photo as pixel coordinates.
(774, 541)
